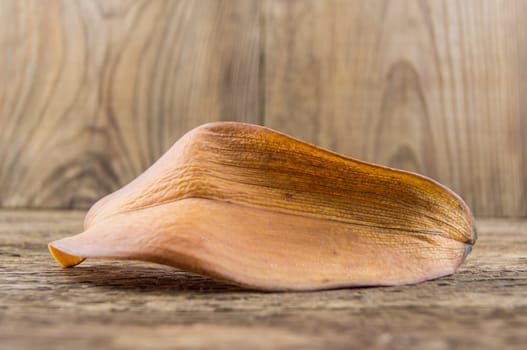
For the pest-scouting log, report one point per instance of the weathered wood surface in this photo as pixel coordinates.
(436, 87)
(92, 92)
(124, 305)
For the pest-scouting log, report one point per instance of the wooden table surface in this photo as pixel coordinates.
(107, 304)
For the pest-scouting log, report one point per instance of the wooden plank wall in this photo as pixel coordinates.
(92, 92)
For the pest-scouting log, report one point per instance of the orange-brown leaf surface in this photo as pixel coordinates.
(257, 208)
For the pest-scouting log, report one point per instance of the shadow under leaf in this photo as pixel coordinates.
(145, 277)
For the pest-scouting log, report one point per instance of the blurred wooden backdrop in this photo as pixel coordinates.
(93, 92)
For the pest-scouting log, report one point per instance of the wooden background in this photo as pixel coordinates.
(93, 92)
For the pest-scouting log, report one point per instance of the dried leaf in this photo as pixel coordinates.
(254, 207)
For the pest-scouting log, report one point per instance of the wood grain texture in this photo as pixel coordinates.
(93, 92)
(437, 87)
(132, 305)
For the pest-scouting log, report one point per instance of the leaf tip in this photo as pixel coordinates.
(64, 259)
